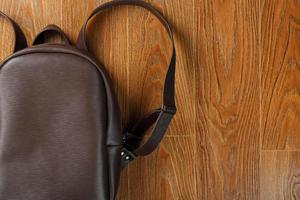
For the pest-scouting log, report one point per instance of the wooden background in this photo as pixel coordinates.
(237, 131)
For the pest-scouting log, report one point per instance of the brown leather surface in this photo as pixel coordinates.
(54, 126)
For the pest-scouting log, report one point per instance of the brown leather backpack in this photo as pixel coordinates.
(61, 136)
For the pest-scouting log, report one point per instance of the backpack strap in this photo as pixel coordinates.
(50, 29)
(20, 40)
(161, 117)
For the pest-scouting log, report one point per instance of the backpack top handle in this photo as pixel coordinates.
(20, 40)
(48, 30)
(160, 117)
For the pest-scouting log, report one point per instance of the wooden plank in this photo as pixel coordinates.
(5, 38)
(149, 54)
(227, 90)
(219, 44)
(163, 174)
(14, 11)
(169, 173)
(280, 175)
(107, 35)
(280, 75)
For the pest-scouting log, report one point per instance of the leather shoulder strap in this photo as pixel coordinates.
(20, 40)
(160, 117)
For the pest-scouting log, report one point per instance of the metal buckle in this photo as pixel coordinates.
(169, 109)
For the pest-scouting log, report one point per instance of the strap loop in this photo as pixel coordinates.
(160, 117)
(20, 40)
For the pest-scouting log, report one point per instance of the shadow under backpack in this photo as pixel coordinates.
(61, 136)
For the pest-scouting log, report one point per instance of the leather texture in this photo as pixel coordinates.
(61, 135)
(56, 142)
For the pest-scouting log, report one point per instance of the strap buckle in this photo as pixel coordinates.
(169, 109)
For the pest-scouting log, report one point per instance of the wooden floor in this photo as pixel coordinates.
(237, 131)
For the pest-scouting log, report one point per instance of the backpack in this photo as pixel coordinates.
(61, 135)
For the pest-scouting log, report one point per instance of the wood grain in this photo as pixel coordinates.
(280, 70)
(237, 131)
(149, 53)
(107, 40)
(227, 88)
(7, 34)
(280, 175)
(6, 39)
(280, 100)
(167, 174)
